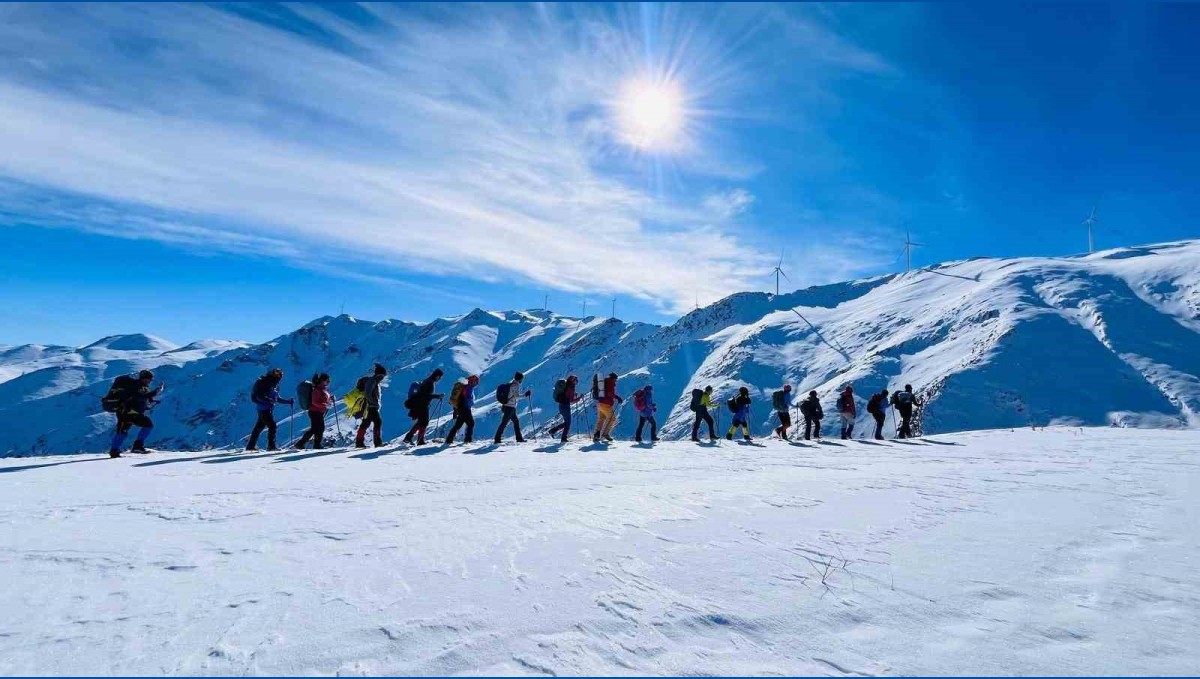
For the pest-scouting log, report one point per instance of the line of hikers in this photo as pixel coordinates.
(132, 398)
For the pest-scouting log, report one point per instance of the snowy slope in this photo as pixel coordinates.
(1049, 552)
(1109, 338)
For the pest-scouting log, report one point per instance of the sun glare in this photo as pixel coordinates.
(651, 116)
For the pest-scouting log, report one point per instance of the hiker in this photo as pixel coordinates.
(462, 403)
(810, 408)
(373, 403)
(129, 398)
(876, 406)
(509, 397)
(740, 405)
(319, 401)
(904, 401)
(848, 411)
(265, 394)
(781, 401)
(701, 402)
(565, 397)
(420, 396)
(643, 402)
(606, 417)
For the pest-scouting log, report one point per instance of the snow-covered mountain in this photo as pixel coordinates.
(1108, 338)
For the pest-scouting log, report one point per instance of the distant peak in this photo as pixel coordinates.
(134, 342)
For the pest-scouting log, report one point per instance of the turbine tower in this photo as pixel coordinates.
(908, 246)
(1091, 221)
(778, 271)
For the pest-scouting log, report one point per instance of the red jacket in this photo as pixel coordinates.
(321, 400)
(608, 392)
(846, 403)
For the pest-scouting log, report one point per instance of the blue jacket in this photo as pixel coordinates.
(648, 402)
(266, 394)
(466, 397)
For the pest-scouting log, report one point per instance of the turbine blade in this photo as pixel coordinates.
(781, 273)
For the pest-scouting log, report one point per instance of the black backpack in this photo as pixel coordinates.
(733, 404)
(777, 401)
(697, 399)
(502, 392)
(123, 388)
(873, 404)
(304, 392)
(260, 390)
(560, 391)
(596, 387)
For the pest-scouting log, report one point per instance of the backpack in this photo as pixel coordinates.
(122, 389)
(777, 401)
(904, 398)
(560, 391)
(596, 387)
(733, 405)
(260, 391)
(455, 393)
(697, 399)
(502, 392)
(639, 400)
(356, 399)
(806, 408)
(873, 404)
(304, 392)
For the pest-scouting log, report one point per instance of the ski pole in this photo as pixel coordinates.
(337, 421)
(292, 421)
(438, 414)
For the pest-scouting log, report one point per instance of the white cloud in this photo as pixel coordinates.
(472, 146)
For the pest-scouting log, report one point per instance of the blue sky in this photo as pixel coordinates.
(194, 171)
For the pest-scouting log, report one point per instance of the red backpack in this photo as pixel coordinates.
(639, 400)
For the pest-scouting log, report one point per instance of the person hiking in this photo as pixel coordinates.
(565, 397)
(418, 402)
(848, 411)
(643, 402)
(463, 416)
(876, 406)
(904, 401)
(373, 396)
(701, 402)
(265, 394)
(810, 408)
(129, 398)
(606, 416)
(781, 401)
(318, 404)
(740, 405)
(509, 397)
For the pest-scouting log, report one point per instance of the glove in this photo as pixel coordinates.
(528, 393)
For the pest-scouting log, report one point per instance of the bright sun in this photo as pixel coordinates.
(651, 115)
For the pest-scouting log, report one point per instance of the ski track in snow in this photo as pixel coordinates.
(1060, 551)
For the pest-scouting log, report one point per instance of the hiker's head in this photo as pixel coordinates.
(813, 393)
(322, 379)
(380, 370)
(744, 391)
(437, 374)
(277, 373)
(473, 380)
(908, 387)
(519, 376)
(146, 377)
(787, 387)
(708, 389)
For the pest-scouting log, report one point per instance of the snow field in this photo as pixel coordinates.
(1060, 551)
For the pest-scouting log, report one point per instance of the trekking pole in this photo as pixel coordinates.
(337, 421)
(437, 414)
(292, 421)
(895, 427)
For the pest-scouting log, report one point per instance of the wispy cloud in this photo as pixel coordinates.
(444, 141)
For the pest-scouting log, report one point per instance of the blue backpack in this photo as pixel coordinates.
(502, 393)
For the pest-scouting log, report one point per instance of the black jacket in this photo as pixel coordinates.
(811, 408)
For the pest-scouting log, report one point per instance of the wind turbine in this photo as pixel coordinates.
(778, 271)
(908, 246)
(1091, 221)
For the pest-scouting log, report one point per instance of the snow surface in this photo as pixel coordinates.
(1107, 338)
(1060, 551)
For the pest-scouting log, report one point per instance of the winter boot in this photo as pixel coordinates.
(114, 453)
(138, 447)
(695, 439)
(729, 436)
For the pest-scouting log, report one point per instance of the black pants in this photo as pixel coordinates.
(316, 431)
(703, 416)
(420, 417)
(266, 420)
(564, 409)
(462, 417)
(126, 421)
(785, 423)
(879, 420)
(371, 418)
(811, 425)
(642, 420)
(509, 415)
(905, 423)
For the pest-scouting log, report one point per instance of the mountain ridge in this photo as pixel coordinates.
(1107, 338)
